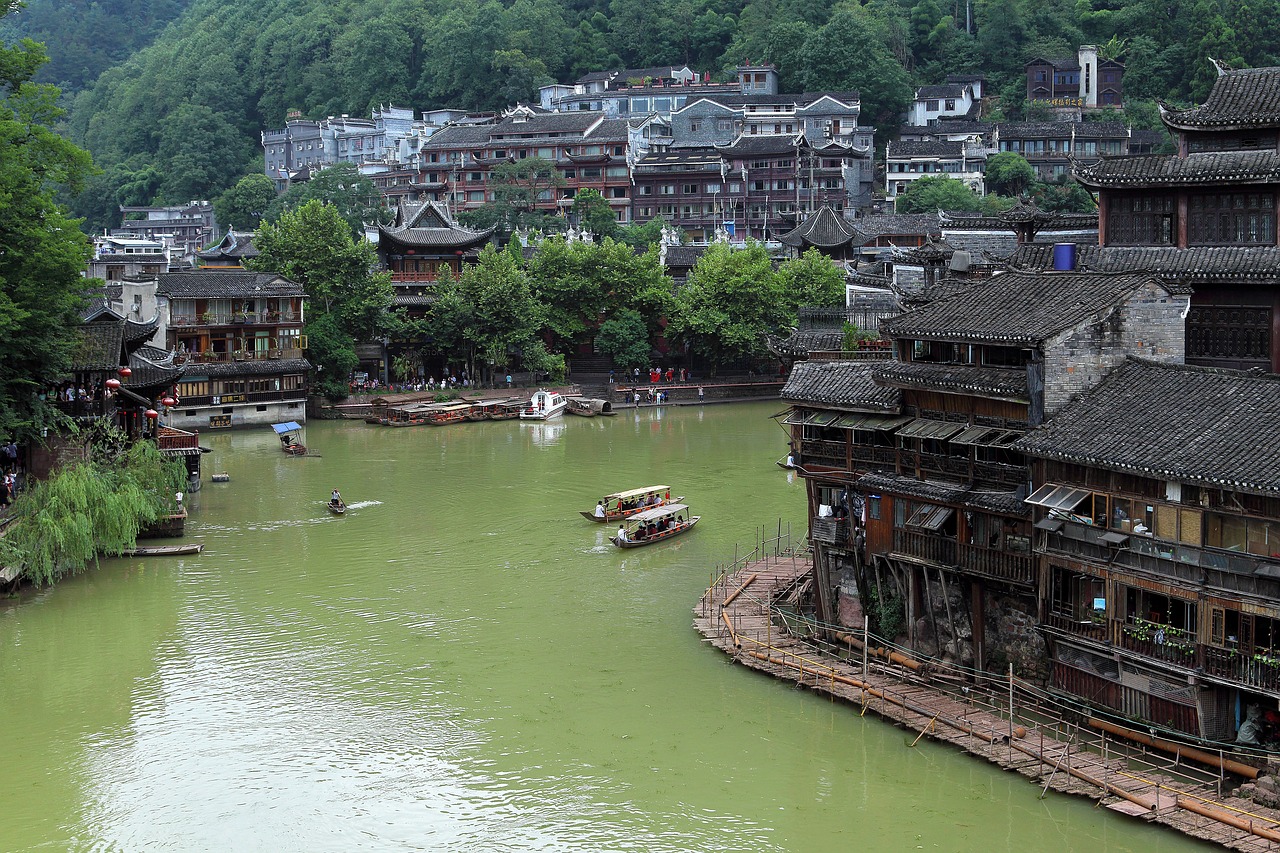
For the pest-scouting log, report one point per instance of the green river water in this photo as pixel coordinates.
(462, 663)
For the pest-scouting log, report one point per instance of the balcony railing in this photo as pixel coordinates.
(1094, 629)
(1162, 642)
(1256, 670)
(923, 546)
(196, 401)
(952, 466)
(211, 357)
(403, 276)
(234, 318)
(994, 563)
(875, 456)
(823, 452)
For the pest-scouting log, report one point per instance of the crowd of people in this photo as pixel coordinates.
(651, 529)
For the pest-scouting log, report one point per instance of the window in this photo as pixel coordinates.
(695, 126)
(1140, 220)
(931, 106)
(1231, 219)
(689, 189)
(667, 189)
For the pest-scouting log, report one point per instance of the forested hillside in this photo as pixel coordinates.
(180, 118)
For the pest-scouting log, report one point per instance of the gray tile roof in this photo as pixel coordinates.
(458, 136)
(940, 148)
(267, 367)
(1173, 422)
(899, 225)
(1005, 503)
(840, 384)
(1198, 263)
(804, 341)
(429, 225)
(825, 228)
(988, 381)
(1016, 307)
(1063, 130)
(752, 146)
(945, 90)
(1246, 98)
(1218, 167)
(214, 283)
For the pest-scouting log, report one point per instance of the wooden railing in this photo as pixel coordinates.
(194, 401)
(924, 546)
(823, 452)
(233, 318)
(1162, 642)
(1255, 670)
(426, 277)
(995, 563)
(879, 456)
(211, 357)
(1094, 629)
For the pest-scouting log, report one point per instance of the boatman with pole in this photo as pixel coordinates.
(600, 509)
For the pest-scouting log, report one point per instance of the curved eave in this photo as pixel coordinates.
(1155, 473)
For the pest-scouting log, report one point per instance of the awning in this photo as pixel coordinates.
(930, 517)
(820, 419)
(923, 428)
(1053, 496)
(291, 426)
(987, 436)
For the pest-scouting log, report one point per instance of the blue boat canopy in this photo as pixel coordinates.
(291, 426)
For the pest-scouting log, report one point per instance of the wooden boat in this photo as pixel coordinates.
(543, 405)
(337, 508)
(675, 515)
(628, 503)
(408, 414)
(448, 413)
(588, 407)
(289, 433)
(507, 410)
(164, 550)
(220, 477)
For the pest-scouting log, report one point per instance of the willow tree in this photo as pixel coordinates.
(61, 525)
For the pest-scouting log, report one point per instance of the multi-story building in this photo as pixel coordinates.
(958, 98)
(684, 185)
(916, 483)
(286, 151)
(185, 228)
(1052, 147)
(644, 91)
(1084, 82)
(907, 162)
(1158, 503)
(118, 258)
(239, 335)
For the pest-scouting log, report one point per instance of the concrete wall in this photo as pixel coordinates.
(242, 415)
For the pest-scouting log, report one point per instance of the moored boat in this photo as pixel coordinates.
(588, 407)
(628, 503)
(163, 550)
(506, 410)
(448, 413)
(543, 405)
(655, 525)
(289, 433)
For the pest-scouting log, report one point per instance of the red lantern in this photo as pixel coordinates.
(151, 414)
(169, 401)
(125, 372)
(112, 384)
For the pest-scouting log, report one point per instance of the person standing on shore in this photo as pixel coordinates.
(701, 394)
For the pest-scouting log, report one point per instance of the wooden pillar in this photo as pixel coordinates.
(977, 615)
(911, 607)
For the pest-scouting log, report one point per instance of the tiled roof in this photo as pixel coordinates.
(946, 90)
(825, 228)
(948, 127)
(576, 121)
(1198, 263)
(1017, 307)
(684, 256)
(458, 136)
(213, 284)
(231, 246)
(430, 225)
(1218, 167)
(134, 331)
(989, 381)
(267, 367)
(899, 225)
(101, 345)
(750, 146)
(1006, 503)
(1046, 221)
(804, 341)
(1172, 422)
(840, 384)
(941, 148)
(1246, 98)
(1063, 130)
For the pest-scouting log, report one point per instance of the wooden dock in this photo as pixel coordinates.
(739, 615)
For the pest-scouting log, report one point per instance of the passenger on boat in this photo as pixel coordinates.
(641, 533)
(600, 513)
(336, 500)
(651, 529)
(663, 525)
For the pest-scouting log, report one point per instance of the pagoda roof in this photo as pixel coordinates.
(825, 229)
(232, 246)
(1247, 98)
(1208, 168)
(1171, 422)
(430, 225)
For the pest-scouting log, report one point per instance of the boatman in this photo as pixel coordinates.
(600, 509)
(336, 500)
(622, 533)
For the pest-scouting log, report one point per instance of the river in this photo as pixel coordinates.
(462, 663)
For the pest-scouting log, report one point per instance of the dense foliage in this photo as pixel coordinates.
(42, 252)
(181, 117)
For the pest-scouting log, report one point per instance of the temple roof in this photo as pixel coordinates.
(1247, 98)
(1172, 422)
(825, 229)
(429, 225)
(1214, 168)
(1017, 307)
(232, 246)
(840, 384)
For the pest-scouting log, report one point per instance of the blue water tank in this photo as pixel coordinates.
(1064, 256)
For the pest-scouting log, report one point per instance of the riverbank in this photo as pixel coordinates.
(744, 616)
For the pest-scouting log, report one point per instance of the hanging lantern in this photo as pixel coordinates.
(151, 414)
(112, 384)
(169, 401)
(125, 372)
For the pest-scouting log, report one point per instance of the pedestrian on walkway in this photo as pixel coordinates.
(701, 394)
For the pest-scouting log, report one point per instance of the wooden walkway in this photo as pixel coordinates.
(736, 615)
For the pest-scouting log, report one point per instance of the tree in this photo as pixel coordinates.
(730, 302)
(594, 214)
(930, 194)
(850, 52)
(625, 337)
(811, 280)
(1009, 174)
(42, 252)
(644, 235)
(493, 313)
(341, 186)
(244, 205)
(522, 184)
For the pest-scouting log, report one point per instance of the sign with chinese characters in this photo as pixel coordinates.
(219, 421)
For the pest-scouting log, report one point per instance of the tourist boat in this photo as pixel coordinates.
(588, 407)
(628, 503)
(676, 515)
(448, 413)
(543, 405)
(163, 550)
(289, 433)
(506, 410)
(408, 414)
(337, 508)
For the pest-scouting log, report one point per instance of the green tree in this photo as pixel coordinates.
(341, 186)
(244, 205)
(644, 235)
(521, 185)
(42, 252)
(625, 337)
(730, 302)
(493, 314)
(930, 194)
(811, 280)
(198, 148)
(1009, 174)
(850, 52)
(594, 213)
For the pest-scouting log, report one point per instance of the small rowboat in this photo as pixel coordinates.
(220, 477)
(337, 508)
(164, 550)
(675, 516)
(588, 407)
(630, 502)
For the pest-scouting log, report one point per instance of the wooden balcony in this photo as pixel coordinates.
(1255, 670)
(400, 276)
(1160, 642)
(237, 318)
(998, 564)
(195, 402)
(1093, 629)
(923, 546)
(825, 453)
(211, 357)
